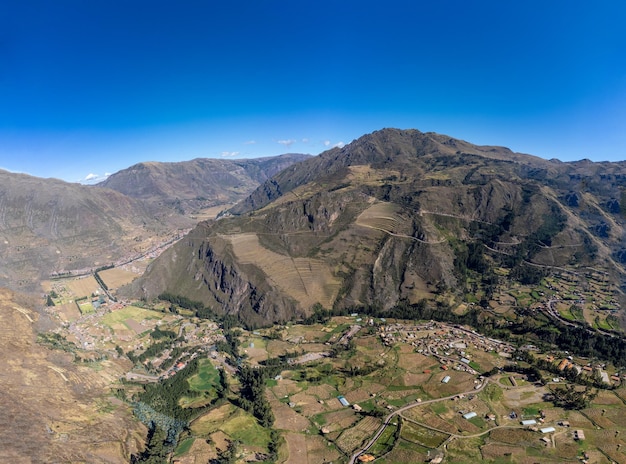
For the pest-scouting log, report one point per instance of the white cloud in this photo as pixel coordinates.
(328, 143)
(92, 178)
(305, 140)
(287, 143)
(250, 142)
(229, 154)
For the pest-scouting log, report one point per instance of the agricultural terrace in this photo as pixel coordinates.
(374, 375)
(394, 367)
(381, 216)
(308, 281)
(229, 423)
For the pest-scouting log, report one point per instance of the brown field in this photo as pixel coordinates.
(220, 439)
(287, 418)
(322, 392)
(206, 423)
(577, 420)
(464, 425)
(296, 445)
(459, 382)
(308, 404)
(363, 394)
(83, 286)
(493, 451)
(351, 438)
(277, 348)
(616, 416)
(597, 417)
(608, 398)
(318, 450)
(116, 277)
(308, 281)
(415, 362)
(285, 387)
(67, 312)
(210, 213)
(425, 416)
(398, 455)
(340, 420)
(520, 437)
(524, 396)
(415, 379)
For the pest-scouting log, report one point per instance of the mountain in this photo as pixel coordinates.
(190, 186)
(48, 226)
(399, 216)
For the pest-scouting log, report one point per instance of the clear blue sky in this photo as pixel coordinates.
(96, 86)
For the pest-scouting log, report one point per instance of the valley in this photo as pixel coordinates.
(358, 386)
(406, 298)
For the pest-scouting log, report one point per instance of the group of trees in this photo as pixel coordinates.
(570, 397)
(252, 392)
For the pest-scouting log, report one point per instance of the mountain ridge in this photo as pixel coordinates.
(398, 215)
(50, 227)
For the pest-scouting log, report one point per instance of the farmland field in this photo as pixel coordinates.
(206, 378)
(421, 435)
(116, 277)
(84, 286)
(130, 312)
(351, 438)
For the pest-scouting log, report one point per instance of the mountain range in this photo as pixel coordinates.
(50, 227)
(398, 216)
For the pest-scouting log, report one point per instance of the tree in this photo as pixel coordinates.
(569, 397)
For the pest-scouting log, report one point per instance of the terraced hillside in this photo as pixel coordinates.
(397, 216)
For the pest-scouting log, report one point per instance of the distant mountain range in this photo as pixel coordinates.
(49, 226)
(200, 183)
(398, 216)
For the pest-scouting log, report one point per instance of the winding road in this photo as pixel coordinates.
(399, 411)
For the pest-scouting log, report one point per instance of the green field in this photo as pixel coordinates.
(129, 312)
(422, 435)
(184, 446)
(207, 377)
(385, 442)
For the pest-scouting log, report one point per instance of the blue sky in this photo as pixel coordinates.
(90, 87)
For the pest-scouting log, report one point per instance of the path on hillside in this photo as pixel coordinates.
(393, 234)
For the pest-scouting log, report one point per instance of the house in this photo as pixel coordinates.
(579, 435)
(366, 458)
(469, 415)
(357, 408)
(563, 364)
